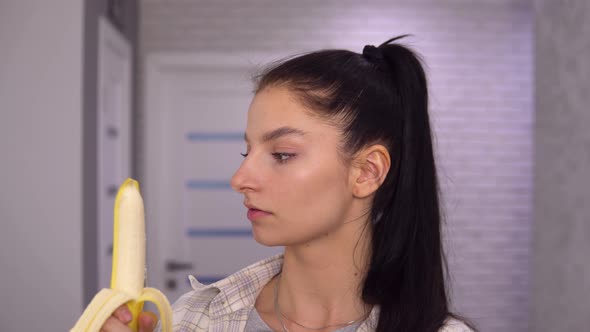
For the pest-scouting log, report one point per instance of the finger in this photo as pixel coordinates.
(147, 321)
(113, 324)
(123, 314)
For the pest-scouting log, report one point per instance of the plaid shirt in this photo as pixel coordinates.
(224, 306)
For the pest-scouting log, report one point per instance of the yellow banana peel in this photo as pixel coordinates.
(128, 269)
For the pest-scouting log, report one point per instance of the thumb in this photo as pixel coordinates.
(147, 321)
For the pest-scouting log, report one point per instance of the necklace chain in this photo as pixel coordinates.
(280, 315)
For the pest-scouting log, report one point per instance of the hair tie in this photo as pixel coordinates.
(374, 55)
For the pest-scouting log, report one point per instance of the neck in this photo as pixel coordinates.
(321, 281)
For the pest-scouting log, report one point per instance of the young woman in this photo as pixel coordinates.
(339, 170)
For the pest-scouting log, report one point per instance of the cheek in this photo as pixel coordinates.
(314, 194)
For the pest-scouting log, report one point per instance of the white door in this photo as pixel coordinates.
(114, 135)
(195, 116)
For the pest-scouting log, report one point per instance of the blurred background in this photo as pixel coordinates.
(94, 91)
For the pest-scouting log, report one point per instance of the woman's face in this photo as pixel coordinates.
(296, 186)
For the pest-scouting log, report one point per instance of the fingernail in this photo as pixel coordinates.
(147, 320)
(125, 315)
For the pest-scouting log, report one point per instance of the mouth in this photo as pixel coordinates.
(254, 213)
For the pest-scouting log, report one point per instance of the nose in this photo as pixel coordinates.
(242, 180)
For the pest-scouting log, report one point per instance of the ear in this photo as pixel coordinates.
(371, 167)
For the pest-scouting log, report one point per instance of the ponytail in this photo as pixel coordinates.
(405, 276)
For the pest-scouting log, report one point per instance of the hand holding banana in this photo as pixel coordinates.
(128, 270)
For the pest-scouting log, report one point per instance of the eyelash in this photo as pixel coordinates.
(279, 156)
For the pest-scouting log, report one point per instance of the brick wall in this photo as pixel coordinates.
(479, 61)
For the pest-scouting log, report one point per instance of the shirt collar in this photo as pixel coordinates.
(241, 289)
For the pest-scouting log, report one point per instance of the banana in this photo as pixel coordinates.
(128, 269)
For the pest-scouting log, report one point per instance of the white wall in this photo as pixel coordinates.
(561, 282)
(40, 167)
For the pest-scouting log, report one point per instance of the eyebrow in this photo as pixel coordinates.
(278, 133)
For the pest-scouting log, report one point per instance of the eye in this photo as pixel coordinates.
(282, 157)
(247, 151)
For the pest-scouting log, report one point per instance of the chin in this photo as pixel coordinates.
(268, 240)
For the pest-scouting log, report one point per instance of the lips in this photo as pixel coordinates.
(254, 213)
